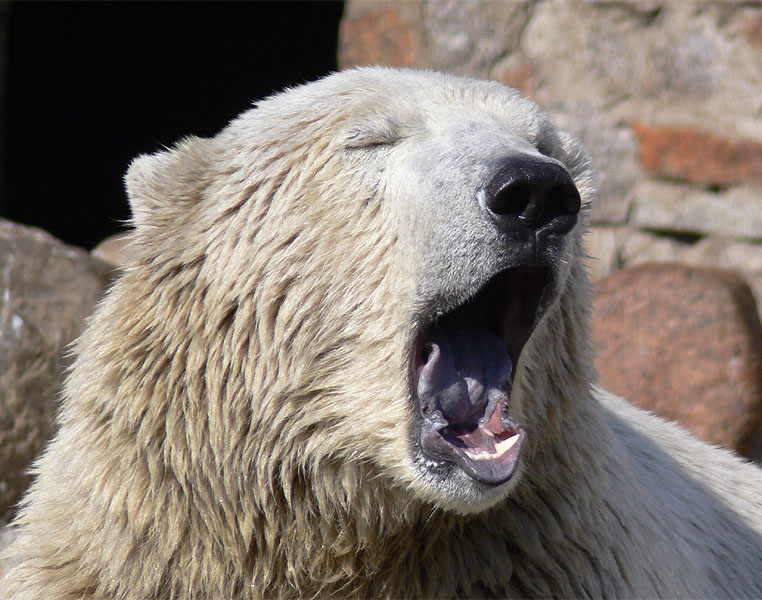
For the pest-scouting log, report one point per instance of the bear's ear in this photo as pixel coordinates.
(170, 179)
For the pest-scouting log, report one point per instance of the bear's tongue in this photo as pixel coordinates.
(463, 385)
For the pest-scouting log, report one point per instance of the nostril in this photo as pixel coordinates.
(561, 200)
(534, 192)
(512, 199)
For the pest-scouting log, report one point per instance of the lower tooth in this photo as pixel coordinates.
(500, 449)
(481, 455)
(503, 447)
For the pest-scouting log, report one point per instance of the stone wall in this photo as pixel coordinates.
(47, 289)
(666, 96)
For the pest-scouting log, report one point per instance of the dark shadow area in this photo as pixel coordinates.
(91, 85)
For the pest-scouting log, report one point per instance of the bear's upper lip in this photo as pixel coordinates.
(463, 368)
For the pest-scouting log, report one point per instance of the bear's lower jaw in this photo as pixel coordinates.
(488, 453)
(464, 369)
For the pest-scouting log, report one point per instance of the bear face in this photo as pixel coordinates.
(454, 201)
(496, 255)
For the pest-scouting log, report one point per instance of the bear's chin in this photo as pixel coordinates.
(467, 447)
(450, 488)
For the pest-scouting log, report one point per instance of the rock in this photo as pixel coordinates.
(46, 290)
(606, 53)
(380, 33)
(470, 37)
(639, 247)
(736, 212)
(726, 253)
(686, 343)
(752, 30)
(697, 156)
(455, 36)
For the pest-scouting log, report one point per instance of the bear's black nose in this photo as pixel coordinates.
(534, 192)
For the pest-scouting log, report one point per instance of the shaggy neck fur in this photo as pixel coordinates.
(326, 526)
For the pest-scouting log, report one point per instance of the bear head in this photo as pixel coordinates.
(370, 282)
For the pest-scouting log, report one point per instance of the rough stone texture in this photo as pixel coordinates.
(687, 154)
(476, 47)
(736, 212)
(725, 252)
(376, 32)
(685, 342)
(421, 33)
(46, 290)
(640, 247)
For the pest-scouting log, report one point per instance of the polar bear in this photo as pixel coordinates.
(350, 358)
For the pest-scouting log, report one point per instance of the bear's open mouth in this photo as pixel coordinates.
(464, 367)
